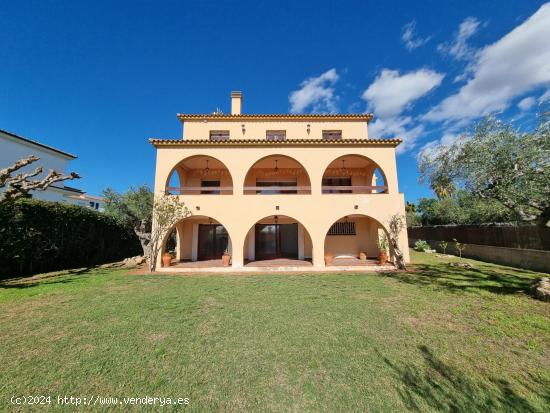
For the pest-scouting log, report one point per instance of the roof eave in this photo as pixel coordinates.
(41, 145)
(363, 117)
(262, 142)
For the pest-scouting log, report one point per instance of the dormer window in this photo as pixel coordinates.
(219, 135)
(332, 134)
(275, 135)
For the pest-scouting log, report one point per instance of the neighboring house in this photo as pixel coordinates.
(285, 188)
(14, 147)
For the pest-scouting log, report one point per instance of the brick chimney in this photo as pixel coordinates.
(236, 103)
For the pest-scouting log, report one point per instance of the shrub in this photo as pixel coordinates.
(382, 242)
(39, 236)
(459, 246)
(421, 245)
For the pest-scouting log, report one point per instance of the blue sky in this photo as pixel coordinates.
(99, 78)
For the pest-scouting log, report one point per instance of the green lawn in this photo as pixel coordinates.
(435, 338)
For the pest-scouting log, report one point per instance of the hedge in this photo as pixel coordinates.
(40, 236)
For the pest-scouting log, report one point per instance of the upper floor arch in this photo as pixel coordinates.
(354, 174)
(277, 174)
(199, 174)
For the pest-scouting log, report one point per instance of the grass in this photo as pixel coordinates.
(435, 338)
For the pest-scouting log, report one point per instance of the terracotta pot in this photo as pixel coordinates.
(166, 259)
(329, 257)
(382, 257)
(226, 258)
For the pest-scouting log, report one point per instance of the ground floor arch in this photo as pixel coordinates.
(353, 240)
(277, 237)
(198, 239)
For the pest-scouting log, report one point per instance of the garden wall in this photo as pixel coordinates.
(518, 246)
(39, 236)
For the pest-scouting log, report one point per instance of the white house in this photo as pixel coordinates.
(14, 147)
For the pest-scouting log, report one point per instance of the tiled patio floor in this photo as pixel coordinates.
(276, 265)
(353, 262)
(279, 262)
(197, 264)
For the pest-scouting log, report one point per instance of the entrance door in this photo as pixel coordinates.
(276, 241)
(213, 241)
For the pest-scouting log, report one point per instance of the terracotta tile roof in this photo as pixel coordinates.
(366, 117)
(32, 142)
(264, 142)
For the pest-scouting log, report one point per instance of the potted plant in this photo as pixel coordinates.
(329, 257)
(383, 245)
(167, 259)
(226, 258)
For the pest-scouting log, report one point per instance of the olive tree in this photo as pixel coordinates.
(396, 225)
(167, 211)
(497, 162)
(149, 217)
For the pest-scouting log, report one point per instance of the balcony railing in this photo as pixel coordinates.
(353, 189)
(276, 190)
(199, 190)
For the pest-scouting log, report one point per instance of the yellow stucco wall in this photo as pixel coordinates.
(316, 212)
(351, 245)
(199, 129)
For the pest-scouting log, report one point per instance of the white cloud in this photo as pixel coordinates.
(459, 48)
(512, 66)
(526, 103)
(391, 92)
(316, 93)
(410, 38)
(397, 127)
(390, 95)
(545, 97)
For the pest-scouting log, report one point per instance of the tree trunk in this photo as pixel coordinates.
(144, 237)
(399, 260)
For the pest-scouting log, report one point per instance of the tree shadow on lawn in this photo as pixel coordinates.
(484, 277)
(47, 279)
(445, 388)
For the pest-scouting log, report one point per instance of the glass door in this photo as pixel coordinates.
(288, 240)
(213, 241)
(276, 241)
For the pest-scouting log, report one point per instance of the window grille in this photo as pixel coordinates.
(332, 134)
(219, 135)
(342, 228)
(275, 135)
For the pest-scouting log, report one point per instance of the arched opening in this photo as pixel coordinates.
(198, 241)
(353, 240)
(199, 175)
(277, 174)
(354, 174)
(278, 240)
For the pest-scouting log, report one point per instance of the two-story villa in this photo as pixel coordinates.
(278, 190)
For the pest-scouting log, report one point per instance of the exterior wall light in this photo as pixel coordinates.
(308, 128)
(243, 128)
